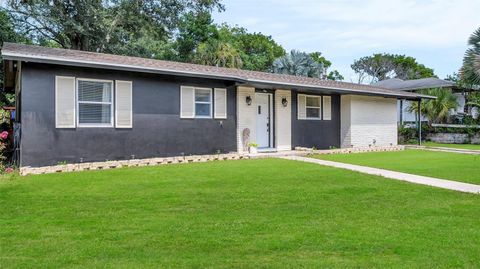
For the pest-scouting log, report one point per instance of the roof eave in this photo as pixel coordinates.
(50, 60)
(9, 56)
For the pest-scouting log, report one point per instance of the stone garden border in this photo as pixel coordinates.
(190, 159)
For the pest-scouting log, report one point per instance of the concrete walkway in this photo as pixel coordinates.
(430, 181)
(445, 149)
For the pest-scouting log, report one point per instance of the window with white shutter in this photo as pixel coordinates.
(301, 107)
(187, 102)
(220, 103)
(64, 102)
(327, 107)
(309, 107)
(123, 104)
(196, 102)
(94, 103)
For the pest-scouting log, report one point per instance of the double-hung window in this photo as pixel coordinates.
(313, 107)
(94, 103)
(203, 103)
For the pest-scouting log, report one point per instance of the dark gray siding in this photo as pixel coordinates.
(157, 127)
(316, 133)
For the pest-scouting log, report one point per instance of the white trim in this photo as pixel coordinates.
(271, 120)
(131, 104)
(77, 102)
(216, 116)
(56, 102)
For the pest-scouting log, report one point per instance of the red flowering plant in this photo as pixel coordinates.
(4, 140)
(3, 146)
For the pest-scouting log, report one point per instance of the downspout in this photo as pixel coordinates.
(419, 122)
(401, 112)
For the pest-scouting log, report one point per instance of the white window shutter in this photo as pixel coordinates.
(65, 102)
(220, 103)
(123, 104)
(301, 106)
(327, 108)
(187, 102)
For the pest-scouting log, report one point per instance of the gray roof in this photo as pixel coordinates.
(12, 51)
(415, 84)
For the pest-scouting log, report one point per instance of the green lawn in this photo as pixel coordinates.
(455, 146)
(453, 166)
(265, 213)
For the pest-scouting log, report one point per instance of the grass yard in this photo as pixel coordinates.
(266, 213)
(453, 166)
(455, 146)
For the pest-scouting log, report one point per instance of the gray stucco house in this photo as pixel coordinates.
(78, 106)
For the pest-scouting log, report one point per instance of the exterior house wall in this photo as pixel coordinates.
(368, 121)
(283, 120)
(246, 117)
(158, 130)
(321, 134)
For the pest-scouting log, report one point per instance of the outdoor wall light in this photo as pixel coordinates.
(284, 102)
(248, 100)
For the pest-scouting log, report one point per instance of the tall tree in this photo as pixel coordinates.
(133, 27)
(194, 29)
(384, 66)
(471, 62)
(298, 64)
(335, 75)
(258, 51)
(332, 75)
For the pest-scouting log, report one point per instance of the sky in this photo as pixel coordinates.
(435, 32)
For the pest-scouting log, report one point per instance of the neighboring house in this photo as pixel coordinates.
(78, 106)
(415, 85)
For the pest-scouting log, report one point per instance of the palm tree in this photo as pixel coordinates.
(473, 99)
(471, 61)
(218, 53)
(437, 110)
(298, 64)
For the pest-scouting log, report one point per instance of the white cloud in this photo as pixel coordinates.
(348, 29)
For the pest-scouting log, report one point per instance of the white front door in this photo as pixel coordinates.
(263, 103)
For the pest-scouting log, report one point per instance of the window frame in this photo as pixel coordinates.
(195, 102)
(111, 103)
(319, 97)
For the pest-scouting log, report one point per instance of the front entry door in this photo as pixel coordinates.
(263, 131)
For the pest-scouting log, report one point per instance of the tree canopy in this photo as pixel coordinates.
(383, 66)
(133, 27)
(178, 30)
